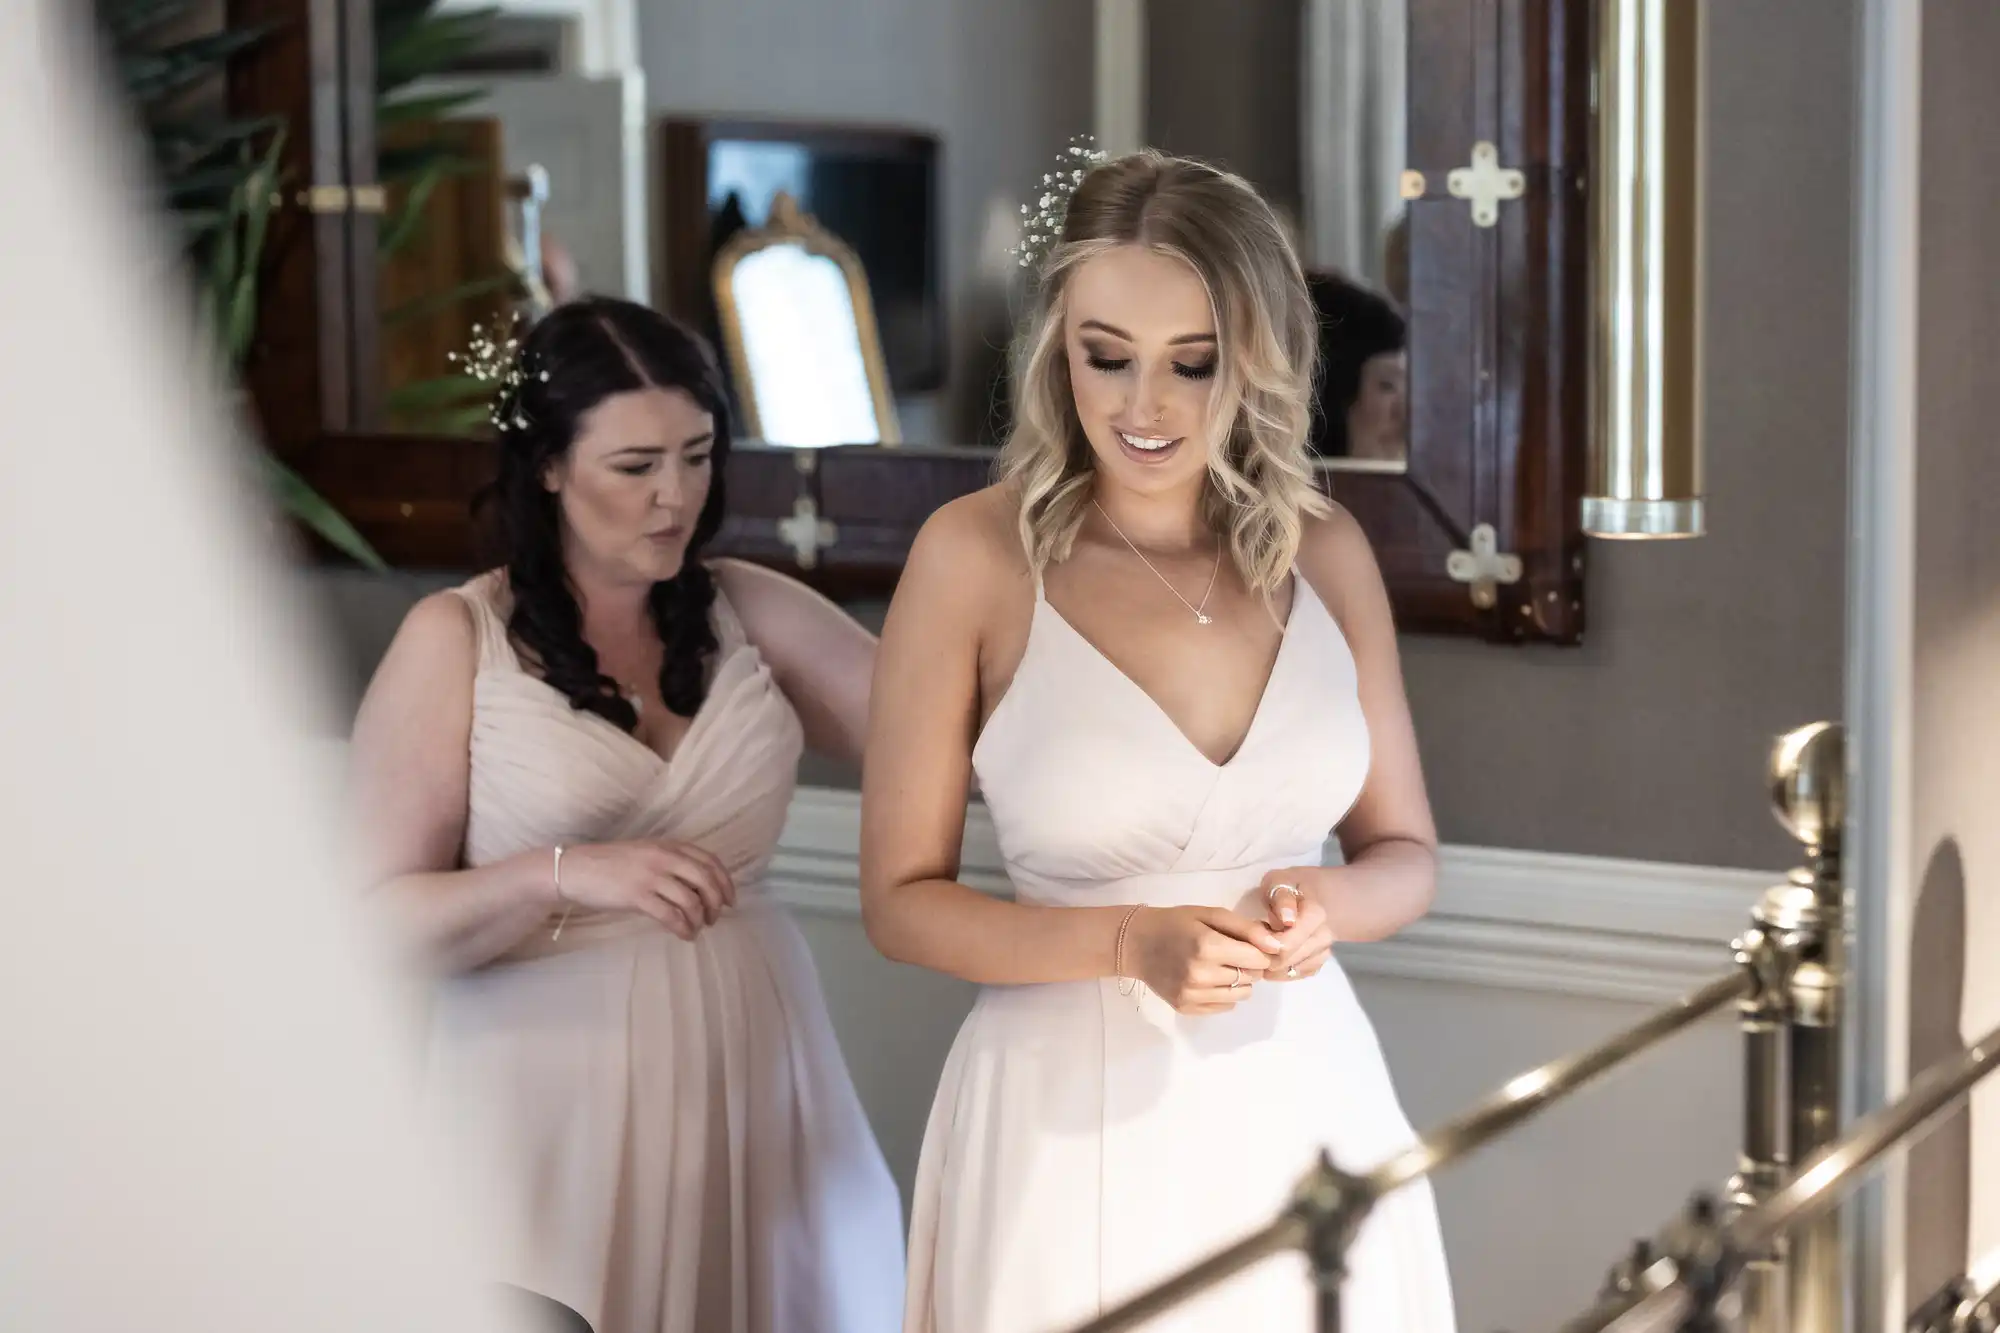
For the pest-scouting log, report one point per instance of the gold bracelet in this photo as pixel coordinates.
(1118, 952)
(568, 906)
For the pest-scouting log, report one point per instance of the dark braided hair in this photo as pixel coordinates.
(577, 356)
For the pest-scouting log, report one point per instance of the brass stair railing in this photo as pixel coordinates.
(1771, 1249)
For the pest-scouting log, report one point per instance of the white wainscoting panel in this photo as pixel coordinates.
(1594, 927)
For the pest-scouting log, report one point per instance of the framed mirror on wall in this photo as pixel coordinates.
(1443, 150)
(1433, 153)
(798, 327)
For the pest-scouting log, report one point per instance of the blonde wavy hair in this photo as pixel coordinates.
(1262, 484)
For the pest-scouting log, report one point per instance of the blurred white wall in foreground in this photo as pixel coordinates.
(203, 1118)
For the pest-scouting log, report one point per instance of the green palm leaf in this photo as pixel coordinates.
(217, 175)
(443, 391)
(311, 509)
(431, 305)
(446, 405)
(436, 106)
(424, 48)
(151, 77)
(183, 145)
(191, 187)
(127, 20)
(405, 224)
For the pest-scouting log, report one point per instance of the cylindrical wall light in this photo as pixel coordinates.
(1645, 477)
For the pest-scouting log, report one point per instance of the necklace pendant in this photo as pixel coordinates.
(1202, 619)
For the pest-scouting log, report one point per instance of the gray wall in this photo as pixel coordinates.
(1956, 705)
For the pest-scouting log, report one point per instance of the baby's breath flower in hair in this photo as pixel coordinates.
(1042, 225)
(496, 360)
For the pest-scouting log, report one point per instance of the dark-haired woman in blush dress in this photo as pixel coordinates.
(574, 770)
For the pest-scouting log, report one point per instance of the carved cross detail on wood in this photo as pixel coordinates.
(1485, 183)
(806, 532)
(1483, 566)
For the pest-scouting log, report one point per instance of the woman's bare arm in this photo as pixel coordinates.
(1389, 839)
(410, 767)
(822, 657)
(919, 770)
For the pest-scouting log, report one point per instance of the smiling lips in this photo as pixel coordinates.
(1148, 448)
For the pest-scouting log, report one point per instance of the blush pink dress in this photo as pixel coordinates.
(666, 1129)
(1085, 1144)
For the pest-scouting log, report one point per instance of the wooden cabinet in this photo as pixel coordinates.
(842, 518)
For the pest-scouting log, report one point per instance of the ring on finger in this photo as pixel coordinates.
(1276, 889)
(1238, 980)
(1292, 972)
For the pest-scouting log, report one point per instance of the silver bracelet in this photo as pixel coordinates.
(568, 906)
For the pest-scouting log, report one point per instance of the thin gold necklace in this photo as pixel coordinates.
(1201, 616)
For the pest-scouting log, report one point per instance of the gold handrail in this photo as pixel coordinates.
(1529, 1094)
(1711, 1261)
(1330, 1203)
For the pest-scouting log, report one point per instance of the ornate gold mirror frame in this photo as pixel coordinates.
(798, 326)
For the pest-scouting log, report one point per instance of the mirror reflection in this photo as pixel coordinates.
(515, 182)
(873, 190)
(802, 351)
(468, 237)
(799, 333)
(1355, 239)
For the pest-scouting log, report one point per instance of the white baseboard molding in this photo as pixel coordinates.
(1597, 927)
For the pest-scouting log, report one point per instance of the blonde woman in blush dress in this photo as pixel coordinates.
(575, 769)
(1169, 662)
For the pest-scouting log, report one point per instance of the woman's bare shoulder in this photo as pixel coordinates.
(440, 625)
(975, 538)
(1336, 558)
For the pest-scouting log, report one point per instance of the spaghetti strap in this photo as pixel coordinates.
(729, 631)
(1034, 570)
